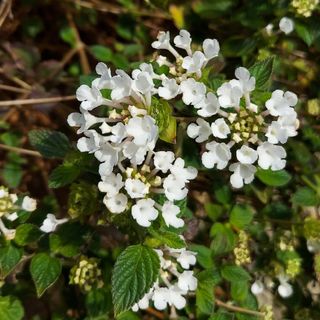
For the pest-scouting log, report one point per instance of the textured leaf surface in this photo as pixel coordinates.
(27, 233)
(45, 270)
(262, 71)
(51, 144)
(134, 273)
(10, 308)
(273, 178)
(9, 258)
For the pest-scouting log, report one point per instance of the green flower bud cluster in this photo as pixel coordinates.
(267, 312)
(82, 199)
(311, 229)
(293, 267)
(241, 252)
(6, 201)
(305, 7)
(86, 274)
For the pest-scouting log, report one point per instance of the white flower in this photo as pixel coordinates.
(243, 173)
(134, 111)
(143, 82)
(286, 25)
(220, 129)
(247, 83)
(122, 85)
(187, 258)
(269, 29)
(163, 41)
(111, 184)
(183, 41)
(175, 297)
(29, 204)
(257, 287)
(143, 130)
(169, 90)
(192, 91)
(219, 154)
(136, 188)
(211, 48)
(90, 143)
(107, 154)
(187, 281)
(163, 160)
(285, 290)
(12, 216)
(135, 153)
(194, 63)
(144, 212)
(247, 155)
(169, 214)
(117, 203)
(181, 173)
(271, 156)
(281, 102)
(51, 223)
(90, 97)
(208, 106)
(84, 120)
(229, 94)
(276, 133)
(200, 132)
(142, 303)
(160, 298)
(174, 188)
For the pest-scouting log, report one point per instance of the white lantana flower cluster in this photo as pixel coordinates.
(238, 129)
(9, 207)
(176, 280)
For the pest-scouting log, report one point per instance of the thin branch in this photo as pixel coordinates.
(156, 313)
(80, 46)
(35, 101)
(5, 10)
(16, 80)
(238, 309)
(20, 150)
(13, 89)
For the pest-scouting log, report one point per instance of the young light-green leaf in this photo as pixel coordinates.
(135, 271)
(241, 216)
(45, 271)
(11, 308)
(262, 71)
(51, 144)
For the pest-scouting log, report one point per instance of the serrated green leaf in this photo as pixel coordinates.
(135, 271)
(305, 197)
(308, 31)
(241, 216)
(11, 308)
(161, 111)
(239, 290)
(224, 239)
(203, 255)
(27, 233)
(168, 238)
(45, 271)
(101, 53)
(64, 175)
(234, 273)
(98, 303)
(262, 71)
(9, 258)
(273, 178)
(51, 144)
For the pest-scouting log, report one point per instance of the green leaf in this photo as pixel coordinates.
(98, 303)
(135, 271)
(203, 255)
(161, 111)
(51, 144)
(27, 233)
(239, 290)
(204, 295)
(64, 175)
(101, 53)
(238, 46)
(11, 308)
(214, 211)
(241, 216)
(168, 238)
(45, 271)
(305, 197)
(273, 178)
(234, 273)
(12, 174)
(262, 71)
(68, 35)
(224, 239)
(308, 31)
(128, 315)
(9, 258)
(67, 240)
